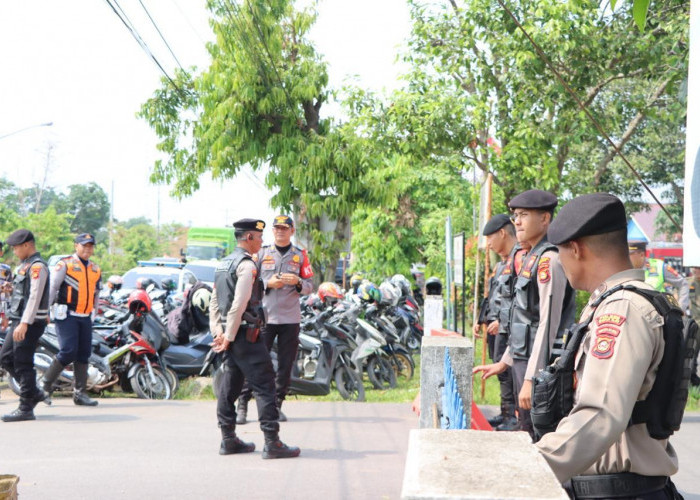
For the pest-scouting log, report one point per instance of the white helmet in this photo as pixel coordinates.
(201, 299)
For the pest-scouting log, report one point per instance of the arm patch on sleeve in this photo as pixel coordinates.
(544, 274)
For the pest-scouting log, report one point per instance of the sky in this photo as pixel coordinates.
(75, 65)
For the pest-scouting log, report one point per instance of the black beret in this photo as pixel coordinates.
(534, 198)
(495, 223)
(84, 239)
(587, 215)
(249, 225)
(640, 246)
(20, 236)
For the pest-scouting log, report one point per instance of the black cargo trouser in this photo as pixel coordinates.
(248, 361)
(17, 358)
(505, 379)
(287, 345)
(518, 371)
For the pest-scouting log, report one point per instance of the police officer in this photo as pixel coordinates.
(595, 447)
(286, 274)
(235, 317)
(29, 310)
(657, 273)
(543, 304)
(75, 287)
(500, 237)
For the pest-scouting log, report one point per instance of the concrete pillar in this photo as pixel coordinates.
(432, 374)
(476, 465)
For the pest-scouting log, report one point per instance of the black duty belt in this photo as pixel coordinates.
(625, 484)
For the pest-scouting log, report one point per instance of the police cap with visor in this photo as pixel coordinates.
(587, 215)
(495, 223)
(84, 239)
(249, 225)
(283, 220)
(20, 236)
(534, 198)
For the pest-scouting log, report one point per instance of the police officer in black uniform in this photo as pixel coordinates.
(235, 316)
(500, 237)
(29, 310)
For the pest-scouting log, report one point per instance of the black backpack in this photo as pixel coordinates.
(662, 410)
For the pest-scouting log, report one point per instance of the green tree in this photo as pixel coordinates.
(139, 243)
(89, 206)
(51, 231)
(259, 103)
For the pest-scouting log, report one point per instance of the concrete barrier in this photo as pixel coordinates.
(458, 464)
(432, 374)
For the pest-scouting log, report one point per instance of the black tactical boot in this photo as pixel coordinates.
(80, 373)
(274, 448)
(509, 424)
(50, 377)
(282, 417)
(19, 415)
(40, 396)
(242, 412)
(496, 421)
(231, 444)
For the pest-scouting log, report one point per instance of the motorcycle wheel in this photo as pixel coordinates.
(173, 380)
(380, 373)
(349, 384)
(402, 365)
(146, 389)
(413, 342)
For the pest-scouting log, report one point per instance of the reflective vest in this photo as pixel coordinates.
(78, 288)
(654, 274)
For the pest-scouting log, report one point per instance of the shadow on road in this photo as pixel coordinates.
(343, 454)
(100, 418)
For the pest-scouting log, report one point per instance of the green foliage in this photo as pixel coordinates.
(259, 104)
(89, 206)
(51, 231)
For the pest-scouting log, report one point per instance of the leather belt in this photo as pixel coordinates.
(625, 484)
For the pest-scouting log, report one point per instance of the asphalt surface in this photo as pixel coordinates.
(130, 448)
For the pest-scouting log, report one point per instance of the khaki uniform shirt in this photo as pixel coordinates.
(615, 367)
(246, 273)
(551, 280)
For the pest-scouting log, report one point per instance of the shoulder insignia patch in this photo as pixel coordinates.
(543, 270)
(610, 319)
(609, 330)
(296, 259)
(255, 273)
(604, 347)
(672, 271)
(36, 270)
(59, 265)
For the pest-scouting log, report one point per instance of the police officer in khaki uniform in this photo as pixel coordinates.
(657, 273)
(595, 447)
(286, 275)
(543, 304)
(235, 318)
(75, 288)
(28, 313)
(500, 237)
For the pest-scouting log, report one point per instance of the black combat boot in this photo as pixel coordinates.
(274, 448)
(509, 424)
(80, 374)
(50, 377)
(496, 421)
(242, 411)
(19, 415)
(231, 444)
(282, 417)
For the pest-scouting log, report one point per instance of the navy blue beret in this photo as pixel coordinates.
(495, 223)
(534, 198)
(587, 215)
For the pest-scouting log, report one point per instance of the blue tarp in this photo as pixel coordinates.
(635, 233)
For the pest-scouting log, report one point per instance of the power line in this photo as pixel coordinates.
(142, 43)
(161, 35)
(597, 125)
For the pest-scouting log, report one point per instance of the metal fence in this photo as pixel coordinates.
(453, 414)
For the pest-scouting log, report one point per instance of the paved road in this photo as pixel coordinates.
(130, 448)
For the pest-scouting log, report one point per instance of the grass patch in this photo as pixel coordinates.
(492, 388)
(199, 388)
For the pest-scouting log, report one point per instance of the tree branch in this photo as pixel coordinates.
(627, 135)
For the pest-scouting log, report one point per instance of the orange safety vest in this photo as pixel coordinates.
(78, 288)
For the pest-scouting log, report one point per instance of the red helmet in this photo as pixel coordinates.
(329, 292)
(139, 301)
